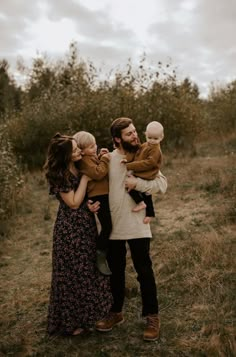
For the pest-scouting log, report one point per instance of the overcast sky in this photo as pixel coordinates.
(197, 36)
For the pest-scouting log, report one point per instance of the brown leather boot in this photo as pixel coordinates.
(152, 329)
(107, 324)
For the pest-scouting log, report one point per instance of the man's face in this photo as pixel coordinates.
(129, 139)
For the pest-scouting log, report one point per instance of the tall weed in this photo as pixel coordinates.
(10, 177)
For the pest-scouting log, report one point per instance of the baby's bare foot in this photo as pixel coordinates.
(139, 207)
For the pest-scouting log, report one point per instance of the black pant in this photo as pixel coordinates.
(139, 249)
(104, 217)
(139, 197)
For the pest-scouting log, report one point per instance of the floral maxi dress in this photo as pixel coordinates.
(80, 294)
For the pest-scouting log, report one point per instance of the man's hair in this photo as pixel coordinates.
(84, 139)
(117, 126)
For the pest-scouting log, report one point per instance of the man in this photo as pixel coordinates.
(128, 227)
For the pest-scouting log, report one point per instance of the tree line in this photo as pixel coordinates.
(71, 95)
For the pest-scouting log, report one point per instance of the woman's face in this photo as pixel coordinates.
(76, 152)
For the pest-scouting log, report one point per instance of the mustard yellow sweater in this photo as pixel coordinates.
(146, 162)
(97, 170)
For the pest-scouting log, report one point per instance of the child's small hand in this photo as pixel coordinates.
(103, 151)
(107, 156)
(123, 161)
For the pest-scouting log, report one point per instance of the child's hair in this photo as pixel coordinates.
(84, 139)
(155, 125)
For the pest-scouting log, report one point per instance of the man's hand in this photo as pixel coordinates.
(130, 182)
(93, 207)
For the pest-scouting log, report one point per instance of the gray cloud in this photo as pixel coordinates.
(197, 35)
(21, 9)
(93, 25)
(200, 40)
(14, 17)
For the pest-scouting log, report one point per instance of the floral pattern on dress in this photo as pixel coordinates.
(80, 294)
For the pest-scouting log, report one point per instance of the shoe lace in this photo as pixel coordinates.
(153, 322)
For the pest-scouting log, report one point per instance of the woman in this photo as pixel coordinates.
(80, 295)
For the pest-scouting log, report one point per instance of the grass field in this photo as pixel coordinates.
(193, 251)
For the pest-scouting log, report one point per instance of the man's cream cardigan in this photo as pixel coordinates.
(125, 223)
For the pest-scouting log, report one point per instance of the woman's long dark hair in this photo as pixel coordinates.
(58, 158)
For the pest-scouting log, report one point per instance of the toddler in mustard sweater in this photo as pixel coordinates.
(96, 168)
(146, 163)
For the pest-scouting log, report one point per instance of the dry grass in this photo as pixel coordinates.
(193, 252)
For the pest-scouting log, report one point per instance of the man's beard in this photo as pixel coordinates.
(129, 147)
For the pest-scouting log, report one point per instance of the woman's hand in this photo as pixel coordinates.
(93, 207)
(86, 178)
(130, 182)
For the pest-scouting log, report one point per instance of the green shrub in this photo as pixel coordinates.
(10, 177)
(70, 96)
(221, 109)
